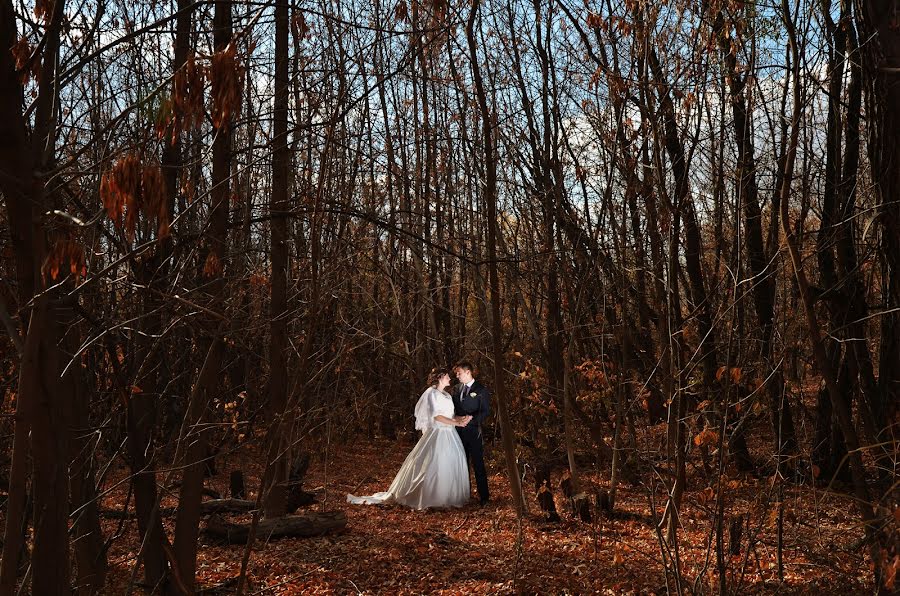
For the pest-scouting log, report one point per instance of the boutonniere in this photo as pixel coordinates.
(473, 395)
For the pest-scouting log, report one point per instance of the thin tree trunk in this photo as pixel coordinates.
(275, 501)
(490, 160)
(194, 435)
(90, 552)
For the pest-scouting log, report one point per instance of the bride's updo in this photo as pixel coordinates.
(435, 375)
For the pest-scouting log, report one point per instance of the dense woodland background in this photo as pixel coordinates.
(667, 232)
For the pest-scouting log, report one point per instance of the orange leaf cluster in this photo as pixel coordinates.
(617, 87)
(595, 21)
(707, 437)
(65, 252)
(227, 76)
(213, 266)
(259, 280)
(401, 12)
(438, 10)
(131, 188)
(707, 496)
(22, 52)
(597, 372)
(735, 373)
(890, 570)
(185, 108)
(299, 28)
(43, 9)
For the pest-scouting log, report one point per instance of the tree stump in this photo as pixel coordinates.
(297, 497)
(581, 507)
(547, 503)
(565, 485)
(604, 501)
(237, 485)
(580, 503)
(734, 534)
(209, 464)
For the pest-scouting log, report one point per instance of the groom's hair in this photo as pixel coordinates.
(465, 365)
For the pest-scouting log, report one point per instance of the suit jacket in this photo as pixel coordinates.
(476, 403)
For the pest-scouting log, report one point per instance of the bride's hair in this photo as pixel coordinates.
(435, 375)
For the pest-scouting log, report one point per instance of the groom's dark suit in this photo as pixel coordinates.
(475, 403)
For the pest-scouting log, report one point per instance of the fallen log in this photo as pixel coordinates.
(226, 506)
(300, 526)
(206, 508)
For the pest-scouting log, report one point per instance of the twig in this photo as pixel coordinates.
(360, 483)
(462, 523)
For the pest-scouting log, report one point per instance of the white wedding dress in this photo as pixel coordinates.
(435, 473)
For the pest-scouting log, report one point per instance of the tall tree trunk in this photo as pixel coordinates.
(90, 551)
(275, 502)
(194, 435)
(41, 399)
(141, 413)
(881, 79)
(15, 172)
(684, 204)
(490, 195)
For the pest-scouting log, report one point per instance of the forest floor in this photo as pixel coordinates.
(391, 550)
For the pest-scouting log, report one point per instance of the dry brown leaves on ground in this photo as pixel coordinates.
(393, 550)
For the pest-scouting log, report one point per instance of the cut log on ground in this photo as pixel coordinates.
(226, 506)
(298, 526)
(206, 508)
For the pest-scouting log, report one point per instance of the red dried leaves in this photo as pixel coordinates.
(227, 75)
(184, 110)
(65, 254)
(22, 52)
(131, 188)
(43, 9)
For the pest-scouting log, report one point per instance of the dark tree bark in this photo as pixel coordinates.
(876, 21)
(194, 436)
(275, 502)
(42, 409)
(490, 197)
(89, 547)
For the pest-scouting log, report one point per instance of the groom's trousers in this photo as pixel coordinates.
(474, 448)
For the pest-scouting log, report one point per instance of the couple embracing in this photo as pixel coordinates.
(436, 472)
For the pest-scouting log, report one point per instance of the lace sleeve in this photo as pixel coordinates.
(425, 411)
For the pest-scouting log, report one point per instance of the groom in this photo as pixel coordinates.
(471, 398)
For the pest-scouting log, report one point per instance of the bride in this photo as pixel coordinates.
(435, 473)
